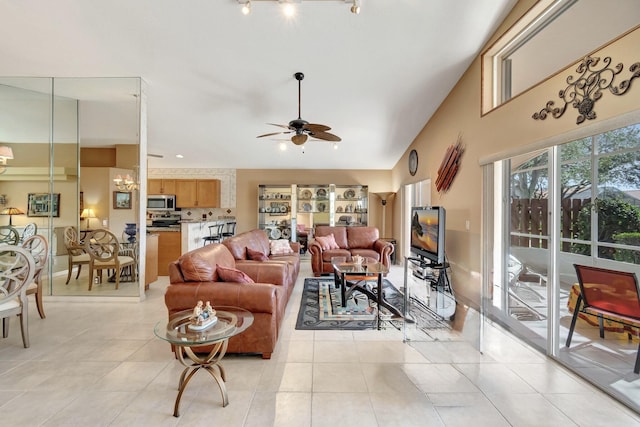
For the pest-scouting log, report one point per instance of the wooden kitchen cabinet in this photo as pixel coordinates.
(151, 260)
(161, 186)
(169, 249)
(198, 193)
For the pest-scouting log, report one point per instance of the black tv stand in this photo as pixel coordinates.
(439, 281)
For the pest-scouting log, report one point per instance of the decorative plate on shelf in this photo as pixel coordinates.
(286, 233)
(275, 233)
(306, 194)
(322, 207)
(283, 208)
(321, 193)
(339, 209)
(349, 194)
(267, 209)
(306, 207)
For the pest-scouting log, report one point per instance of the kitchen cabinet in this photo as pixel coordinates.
(151, 260)
(169, 249)
(161, 186)
(197, 193)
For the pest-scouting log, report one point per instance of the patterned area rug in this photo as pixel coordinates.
(321, 306)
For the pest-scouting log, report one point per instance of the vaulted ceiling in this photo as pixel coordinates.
(216, 78)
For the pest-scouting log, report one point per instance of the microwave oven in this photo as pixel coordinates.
(161, 202)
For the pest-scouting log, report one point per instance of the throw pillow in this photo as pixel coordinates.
(327, 242)
(195, 268)
(256, 255)
(227, 274)
(280, 247)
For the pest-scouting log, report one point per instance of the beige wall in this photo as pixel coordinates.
(499, 133)
(247, 181)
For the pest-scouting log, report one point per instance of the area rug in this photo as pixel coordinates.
(321, 306)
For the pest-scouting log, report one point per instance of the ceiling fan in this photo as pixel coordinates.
(302, 129)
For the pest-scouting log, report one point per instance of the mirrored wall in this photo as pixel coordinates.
(69, 138)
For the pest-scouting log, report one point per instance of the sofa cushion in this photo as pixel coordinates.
(327, 242)
(195, 268)
(254, 239)
(280, 247)
(227, 274)
(256, 255)
(362, 237)
(339, 234)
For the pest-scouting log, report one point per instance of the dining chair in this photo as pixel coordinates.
(39, 250)
(17, 269)
(104, 254)
(29, 230)
(9, 235)
(76, 254)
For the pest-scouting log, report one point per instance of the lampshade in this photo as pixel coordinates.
(11, 211)
(87, 213)
(6, 153)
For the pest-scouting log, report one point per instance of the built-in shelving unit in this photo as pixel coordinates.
(282, 207)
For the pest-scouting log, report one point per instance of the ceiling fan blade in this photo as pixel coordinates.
(282, 126)
(271, 134)
(326, 136)
(299, 139)
(314, 127)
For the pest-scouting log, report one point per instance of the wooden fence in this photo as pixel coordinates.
(531, 216)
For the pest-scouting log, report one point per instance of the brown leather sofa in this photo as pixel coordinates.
(194, 277)
(363, 241)
(257, 240)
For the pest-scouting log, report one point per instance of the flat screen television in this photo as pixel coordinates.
(427, 232)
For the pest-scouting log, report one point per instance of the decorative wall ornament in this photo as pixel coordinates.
(449, 166)
(584, 90)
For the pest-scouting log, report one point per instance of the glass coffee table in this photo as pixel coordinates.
(351, 277)
(231, 321)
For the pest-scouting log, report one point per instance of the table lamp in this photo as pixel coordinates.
(11, 211)
(88, 214)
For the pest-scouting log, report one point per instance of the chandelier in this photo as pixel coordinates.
(126, 183)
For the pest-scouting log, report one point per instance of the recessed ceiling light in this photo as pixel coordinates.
(289, 10)
(180, 156)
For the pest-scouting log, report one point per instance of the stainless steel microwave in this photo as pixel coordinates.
(161, 202)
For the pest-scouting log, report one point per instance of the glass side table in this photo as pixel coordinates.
(231, 322)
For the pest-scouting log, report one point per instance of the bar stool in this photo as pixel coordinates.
(215, 234)
(230, 230)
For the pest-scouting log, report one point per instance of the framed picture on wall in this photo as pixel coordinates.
(43, 204)
(121, 200)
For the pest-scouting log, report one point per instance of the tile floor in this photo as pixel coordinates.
(98, 364)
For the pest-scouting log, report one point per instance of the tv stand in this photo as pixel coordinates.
(429, 299)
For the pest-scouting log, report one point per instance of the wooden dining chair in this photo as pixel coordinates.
(9, 235)
(39, 249)
(76, 254)
(17, 268)
(29, 230)
(104, 254)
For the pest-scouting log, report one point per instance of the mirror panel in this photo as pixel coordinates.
(71, 137)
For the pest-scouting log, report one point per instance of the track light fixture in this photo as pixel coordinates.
(355, 8)
(246, 8)
(289, 9)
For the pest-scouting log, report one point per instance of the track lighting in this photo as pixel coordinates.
(289, 6)
(355, 8)
(246, 8)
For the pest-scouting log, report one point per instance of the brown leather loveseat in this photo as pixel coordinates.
(200, 275)
(349, 241)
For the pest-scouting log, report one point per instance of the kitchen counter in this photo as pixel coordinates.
(156, 229)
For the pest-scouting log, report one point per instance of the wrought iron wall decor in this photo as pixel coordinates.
(449, 166)
(584, 90)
